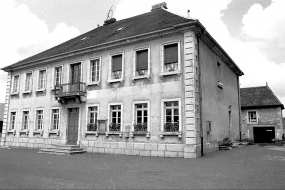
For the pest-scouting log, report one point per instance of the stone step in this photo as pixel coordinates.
(57, 151)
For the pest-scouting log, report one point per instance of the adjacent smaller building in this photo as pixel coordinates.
(261, 114)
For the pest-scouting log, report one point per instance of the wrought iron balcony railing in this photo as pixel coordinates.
(70, 89)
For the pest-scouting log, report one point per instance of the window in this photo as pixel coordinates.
(55, 119)
(171, 114)
(92, 124)
(75, 73)
(58, 75)
(42, 79)
(25, 122)
(95, 70)
(39, 119)
(142, 62)
(115, 118)
(171, 57)
(116, 67)
(252, 116)
(28, 82)
(15, 88)
(12, 120)
(141, 117)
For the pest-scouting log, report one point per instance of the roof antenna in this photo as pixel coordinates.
(110, 13)
(188, 12)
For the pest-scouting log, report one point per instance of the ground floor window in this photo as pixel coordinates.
(25, 120)
(115, 118)
(171, 116)
(12, 120)
(141, 117)
(55, 119)
(39, 119)
(92, 124)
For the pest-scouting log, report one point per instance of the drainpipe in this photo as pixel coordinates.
(239, 109)
(200, 98)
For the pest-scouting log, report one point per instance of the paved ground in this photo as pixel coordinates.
(241, 168)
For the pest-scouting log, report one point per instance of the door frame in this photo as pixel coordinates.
(264, 126)
(69, 70)
(79, 121)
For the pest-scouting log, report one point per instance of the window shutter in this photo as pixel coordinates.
(171, 53)
(142, 60)
(117, 63)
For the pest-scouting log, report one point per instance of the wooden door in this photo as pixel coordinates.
(75, 77)
(73, 119)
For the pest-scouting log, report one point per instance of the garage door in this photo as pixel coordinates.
(263, 134)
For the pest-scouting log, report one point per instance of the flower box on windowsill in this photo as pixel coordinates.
(120, 133)
(12, 131)
(14, 94)
(115, 80)
(24, 131)
(41, 90)
(27, 92)
(54, 132)
(93, 83)
(39, 132)
(140, 77)
(163, 74)
(134, 133)
(179, 134)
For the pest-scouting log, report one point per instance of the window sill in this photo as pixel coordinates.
(54, 132)
(115, 80)
(14, 94)
(134, 133)
(41, 90)
(12, 131)
(40, 132)
(27, 92)
(93, 83)
(220, 85)
(24, 131)
(140, 77)
(179, 134)
(163, 74)
(107, 133)
(252, 123)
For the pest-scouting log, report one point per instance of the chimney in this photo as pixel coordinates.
(159, 6)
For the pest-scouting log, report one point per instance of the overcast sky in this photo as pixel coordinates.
(251, 31)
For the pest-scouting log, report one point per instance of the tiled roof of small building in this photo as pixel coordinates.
(261, 96)
(152, 21)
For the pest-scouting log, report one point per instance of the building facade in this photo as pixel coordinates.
(153, 85)
(261, 114)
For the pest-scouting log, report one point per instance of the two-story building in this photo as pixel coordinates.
(156, 84)
(261, 114)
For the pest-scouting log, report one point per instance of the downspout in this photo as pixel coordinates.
(200, 98)
(239, 109)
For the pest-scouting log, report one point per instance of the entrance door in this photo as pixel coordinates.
(263, 134)
(73, 119)
(75, 77)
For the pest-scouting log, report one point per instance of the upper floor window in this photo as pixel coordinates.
(25, 122)
(116, 67)
(42, 79)
(92, 124)
(12, 120)
(142, 62)
(28, 82)
(75, 73)
(58, 75)
(171, 57)
(95, 70)
(39, 119)
(55, 119)
(115, 118)
(252, 116)
(15, 87)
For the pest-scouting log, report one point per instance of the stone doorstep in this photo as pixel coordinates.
(57, 151)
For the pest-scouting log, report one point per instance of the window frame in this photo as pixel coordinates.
(89, 71)
(69, 70)
(87, 116)
(162, 69)
(31, 83)
(162, 119)
(52, 118)
(135, 63)
(54, 75)
(134, 115)
(248, 116)
(22, 119)
(13, 91)
(109, 115)
(38, 79)
(110, 80)
(10, 120)
(36, 119)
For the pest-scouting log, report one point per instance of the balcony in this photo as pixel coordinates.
(70, 91)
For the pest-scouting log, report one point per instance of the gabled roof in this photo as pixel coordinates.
(152, 24)
(261, 96)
